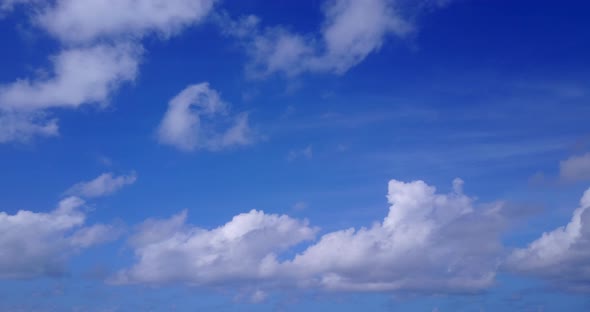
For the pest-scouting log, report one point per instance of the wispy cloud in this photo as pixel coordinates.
(304, 153)
(103, 185)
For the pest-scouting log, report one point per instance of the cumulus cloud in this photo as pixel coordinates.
(352, 29)
(38, 244)
(242, 250)
(561, 256)
(428, 242)
(198, 118)
(104, 184)
(575, 168)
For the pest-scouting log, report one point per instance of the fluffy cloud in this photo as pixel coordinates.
(104, 184)
(352, 29)
(242, 250)
(561, 256)
(428, 242)
(75, 21)
(36, 244)
(575, 168)
(198, 118)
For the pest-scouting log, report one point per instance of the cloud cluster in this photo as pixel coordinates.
(428, 242)
(100, 51)
(36, 244)
(198, 118)
(104, 184)
(561, 256)
(351, 30)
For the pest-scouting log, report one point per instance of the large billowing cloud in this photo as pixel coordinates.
(101, 50)
(351, 30)
(561, 256)
(198, 118)
(428, 242)
(38, 244)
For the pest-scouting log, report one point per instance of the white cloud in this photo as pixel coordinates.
(81, 76)
(575, 168)
(428, 242)
(352, 29)
(76, 21)
(563, 255)
(35, 244)
(242, 250)
(104, 184)
(198, 118)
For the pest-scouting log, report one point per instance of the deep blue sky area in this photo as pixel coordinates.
(320, 155)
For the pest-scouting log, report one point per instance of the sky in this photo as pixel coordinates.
(321, 155)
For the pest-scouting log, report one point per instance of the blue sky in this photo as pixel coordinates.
(387, 155)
